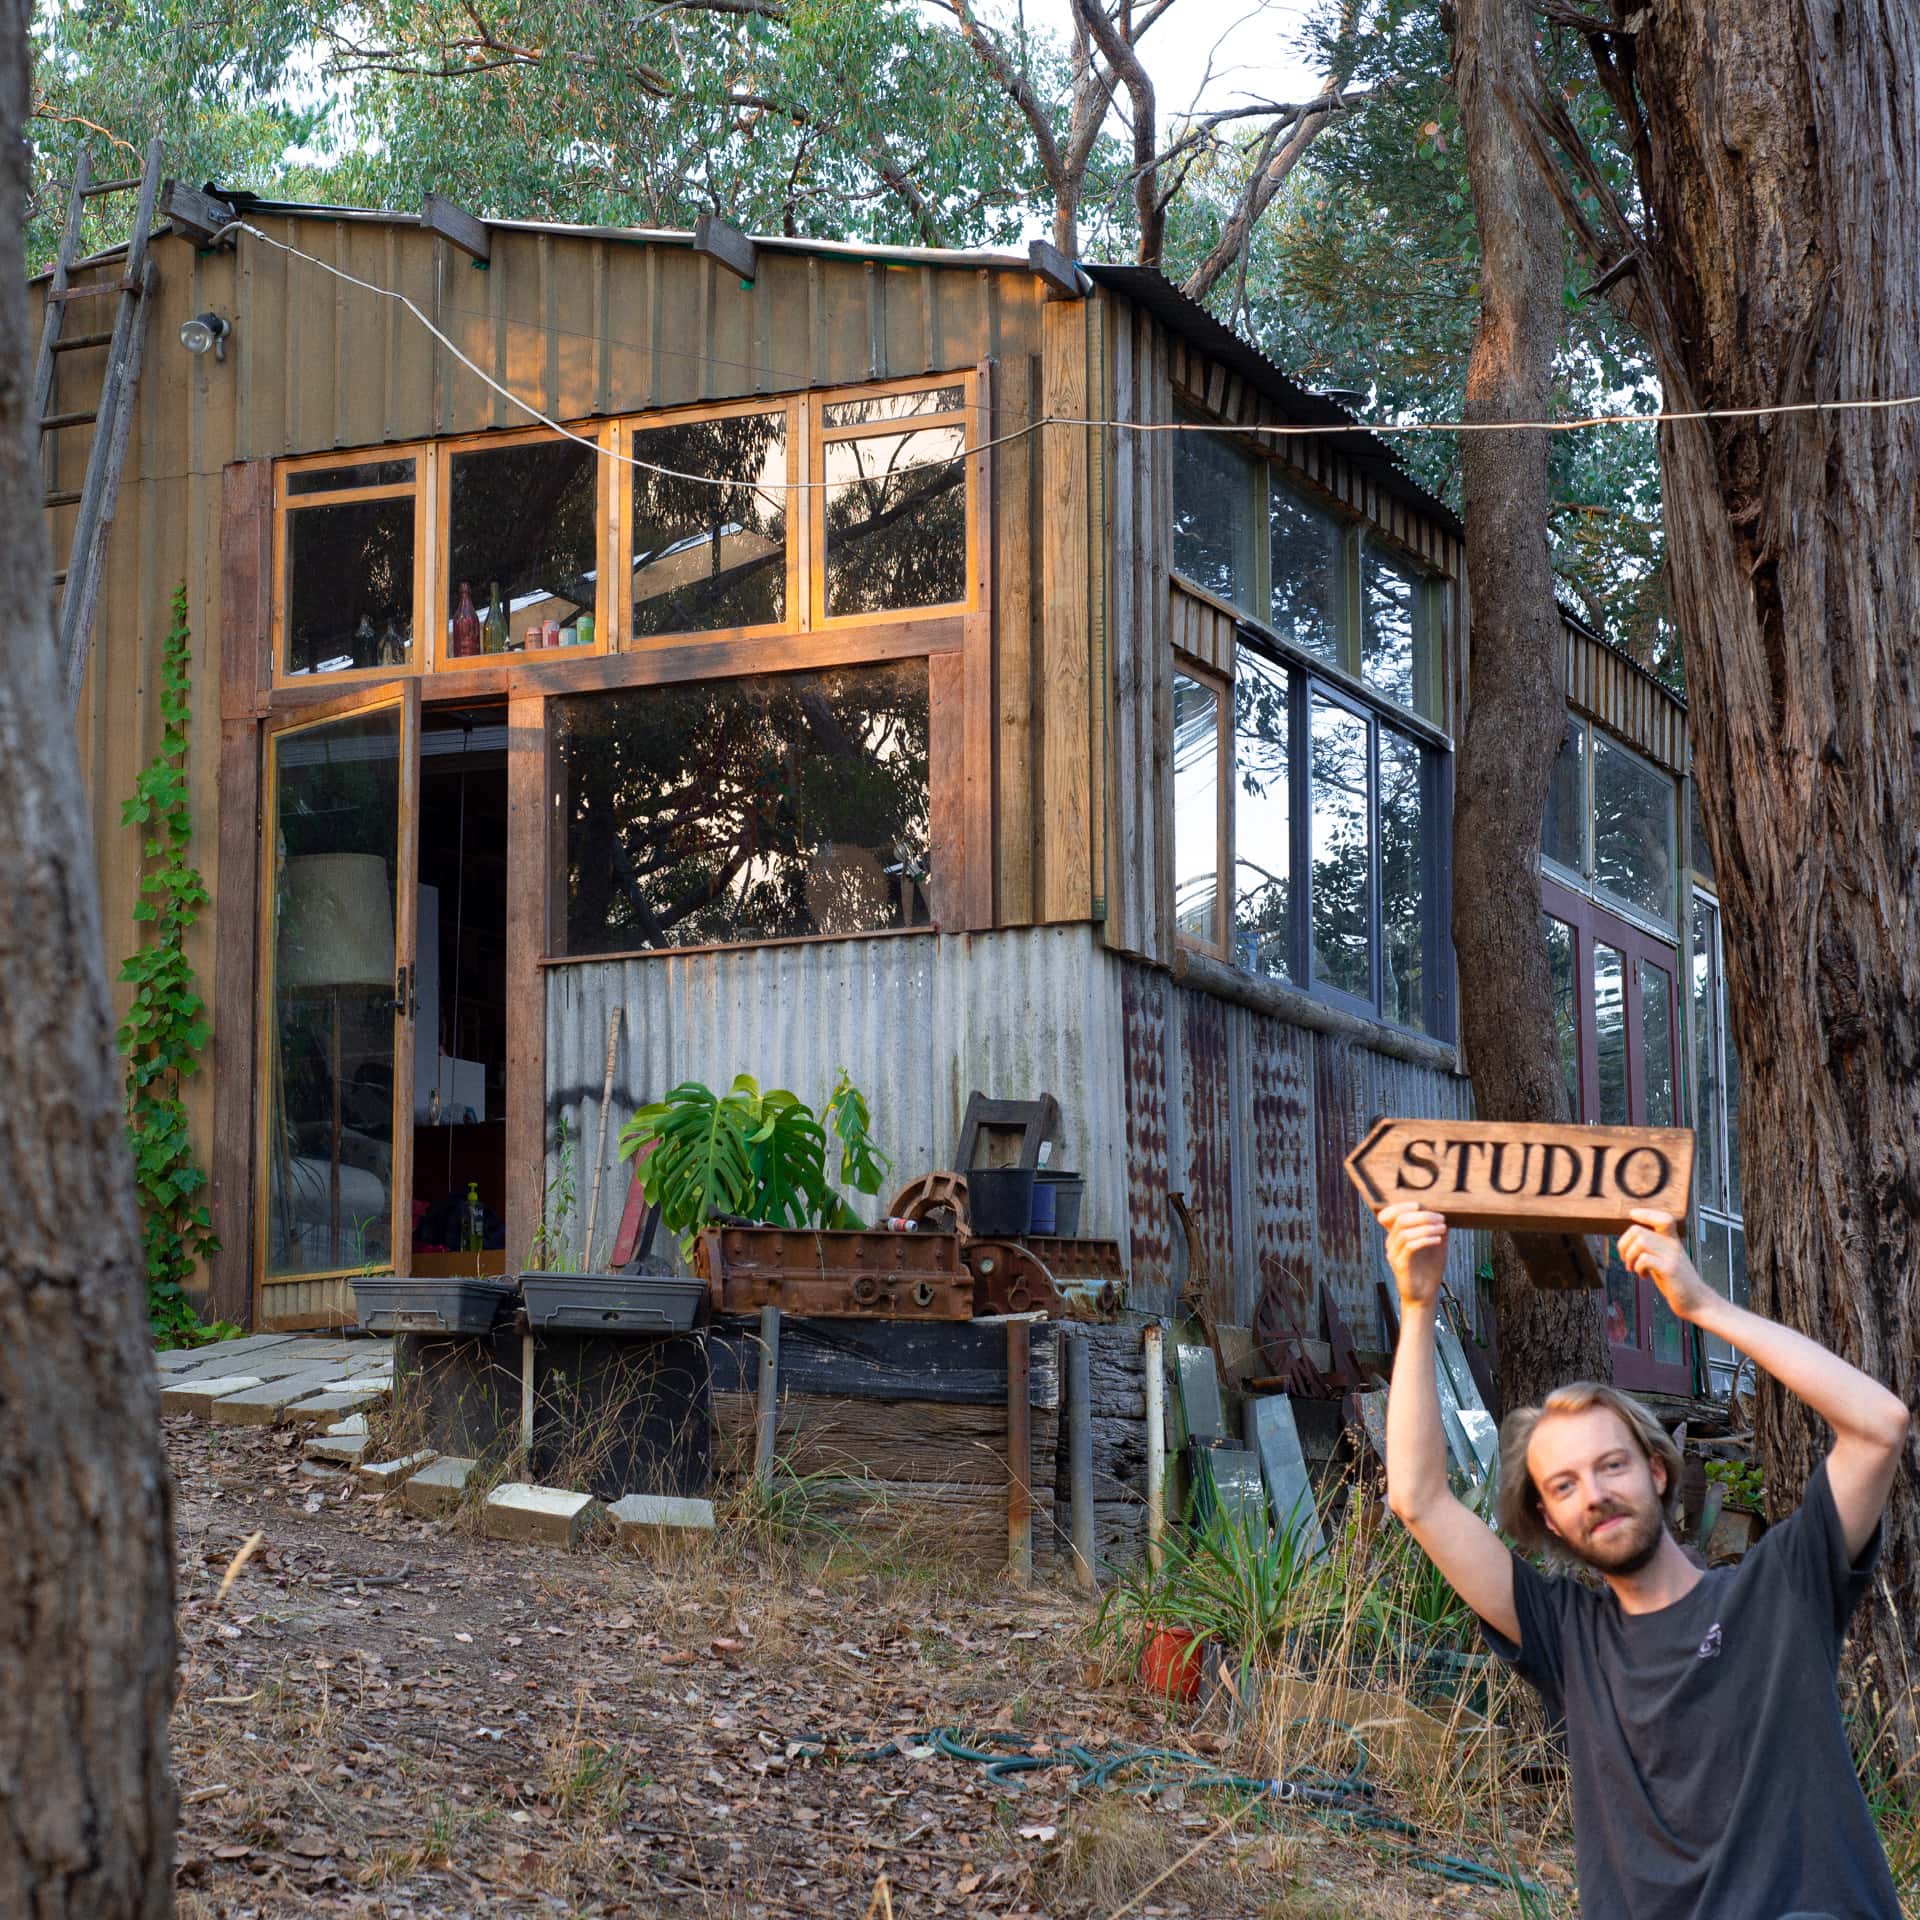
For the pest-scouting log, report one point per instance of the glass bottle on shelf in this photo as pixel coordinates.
(393, 645)
(366, 644)
(494, 635)
(466, 626)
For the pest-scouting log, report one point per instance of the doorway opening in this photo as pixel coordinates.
(460, 1032)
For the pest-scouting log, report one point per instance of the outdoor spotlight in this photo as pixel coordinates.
(206, 330)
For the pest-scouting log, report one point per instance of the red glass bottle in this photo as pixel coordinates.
(466, 626)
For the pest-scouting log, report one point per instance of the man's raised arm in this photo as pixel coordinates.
(1457, 1541)
(1869, 1423)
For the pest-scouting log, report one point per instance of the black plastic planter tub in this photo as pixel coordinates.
(464, 1305)
(645, 1303)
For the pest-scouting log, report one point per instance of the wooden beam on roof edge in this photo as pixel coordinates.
(200, 216)
(728, 245)
(1064, 279)
(456, 226)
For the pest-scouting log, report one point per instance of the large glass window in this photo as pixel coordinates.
(708, 525)
(1632, 829)
(523, 547)
(1394, 623)
(1566, 1006)
(1563, 834)
(1716, 1162)
(1196, 809)
(1404, 916)
(1341, 837)
(348, 587)
(1213, 496)
(743, 810)
(896, 521)
(1306, 572)
(1263, 816)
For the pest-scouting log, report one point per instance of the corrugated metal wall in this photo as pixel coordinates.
(919, 1020)
(1259, 1119)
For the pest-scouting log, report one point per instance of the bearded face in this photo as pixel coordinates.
(1600, 1494)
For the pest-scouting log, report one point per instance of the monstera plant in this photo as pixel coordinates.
(753, 1155)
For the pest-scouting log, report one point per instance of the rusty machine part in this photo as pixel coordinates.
(1009, 1278)
(1279, 1339)
(837, 1275)
(934, 1200)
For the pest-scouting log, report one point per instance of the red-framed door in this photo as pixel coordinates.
(1618, 1001)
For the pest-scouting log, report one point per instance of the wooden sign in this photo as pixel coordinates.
(1525, 1179)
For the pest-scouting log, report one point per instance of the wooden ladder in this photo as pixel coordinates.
(77, 584)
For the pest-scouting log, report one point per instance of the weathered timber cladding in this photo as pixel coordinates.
(1611, 687)
(1118, 1378)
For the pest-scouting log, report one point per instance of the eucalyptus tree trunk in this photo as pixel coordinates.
(1552, 1331)
(86, 1576)
(1781, 176)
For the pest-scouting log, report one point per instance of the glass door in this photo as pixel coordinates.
(335, 1186)
(1617, 1008)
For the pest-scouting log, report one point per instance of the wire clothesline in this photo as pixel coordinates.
(1288, 430)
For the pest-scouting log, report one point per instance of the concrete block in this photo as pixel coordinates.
(393, 1473)
(342, 1449)
(222, 1355)
(318, 1409)
(379, 1384)
(641, 1517)
(549, 1515)
(263, 1406)
(437, 1489)
(196, 1396)
(352, 1424)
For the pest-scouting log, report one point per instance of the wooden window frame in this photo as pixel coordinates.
(420, 490)
(444, 454)
(1596, 923)
(619, 606)
(1220, 685)
(819, 436)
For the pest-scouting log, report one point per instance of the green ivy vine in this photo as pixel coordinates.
(166, 1026)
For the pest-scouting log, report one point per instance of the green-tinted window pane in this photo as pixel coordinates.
(1563, 832)
(1703, 1002)
(1669, 1341)
(1196, 809)
(1632, 830)
(1702, 857)
(1716, 1269)
(1395, 616)
(1342, 850)
(1623, 1302)
(372, 473)
(892, 406)
(1403, 889)
(523, 535)
(1656, 1044)
(743, 810)
(1610, 1031)
(334, 835)
(1566, 1027)
(710, 551)
(349, 592)
(1306, 550)
(1263, 817)
(896, 521)
(1213, 483)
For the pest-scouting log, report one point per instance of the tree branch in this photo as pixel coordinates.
(1125, 65)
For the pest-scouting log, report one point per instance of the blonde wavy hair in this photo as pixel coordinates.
(1522, 1517)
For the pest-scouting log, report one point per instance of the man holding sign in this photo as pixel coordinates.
(1712, 1778)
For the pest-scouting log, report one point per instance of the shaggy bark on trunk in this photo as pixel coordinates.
(1549, 1327)
(1775, 265)
(86, 1579)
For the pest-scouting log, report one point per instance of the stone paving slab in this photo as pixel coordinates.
(322, 1409)
(378, 1383)
(646, 1516)
(186, 1359)
(437, 1489)
(550, 1516)
(273, 1363)
(392, 1473)
(354, 1423)
(263, 1406)
(339, 1449)
(197, 1395)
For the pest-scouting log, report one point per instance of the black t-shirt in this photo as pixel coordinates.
(1711, 1774)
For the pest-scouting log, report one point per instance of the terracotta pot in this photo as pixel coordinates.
(1171, 1661)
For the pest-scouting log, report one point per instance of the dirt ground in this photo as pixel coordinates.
(388, 1716)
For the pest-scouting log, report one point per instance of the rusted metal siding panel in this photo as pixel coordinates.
(1280, 1185)
(1149, 1236)
(1342, 1102)
(1206, 1100)
(920, 1021)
